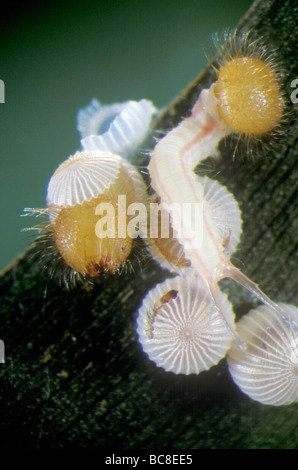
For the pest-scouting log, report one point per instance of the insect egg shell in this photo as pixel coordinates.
(75, 191)
(263, 361)
(82, 177)
(180, 328)
(118, 128)
(161, 243)
(88, 174)
(249, 96)
(249, 85)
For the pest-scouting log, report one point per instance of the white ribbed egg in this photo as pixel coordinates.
(224, 214)
(180, 328)
(118, 128)
(86, 175)
(82, 177)
(264, 360)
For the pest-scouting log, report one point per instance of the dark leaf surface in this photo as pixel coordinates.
(75, 374)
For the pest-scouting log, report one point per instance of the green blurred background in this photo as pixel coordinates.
(56, 56)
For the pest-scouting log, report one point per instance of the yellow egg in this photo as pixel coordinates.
(89, 223)
(249, 96)
(82, 248)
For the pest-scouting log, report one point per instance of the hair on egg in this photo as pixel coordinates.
(83, 188)
(244, 58)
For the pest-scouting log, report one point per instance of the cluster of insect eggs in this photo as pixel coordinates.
(91, 180)
(179, 325)
(95, 177)
(101, 172)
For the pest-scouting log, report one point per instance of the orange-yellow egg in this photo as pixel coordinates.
(88, 200)
(82, 247)
(249, 96)
(170, 250)
(164, 247)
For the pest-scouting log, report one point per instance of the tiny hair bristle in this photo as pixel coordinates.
(135, 260)
(44, 249)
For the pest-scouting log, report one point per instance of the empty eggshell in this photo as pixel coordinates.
(118, 128)
(82, 177)
(180, 328)
(264, 360)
